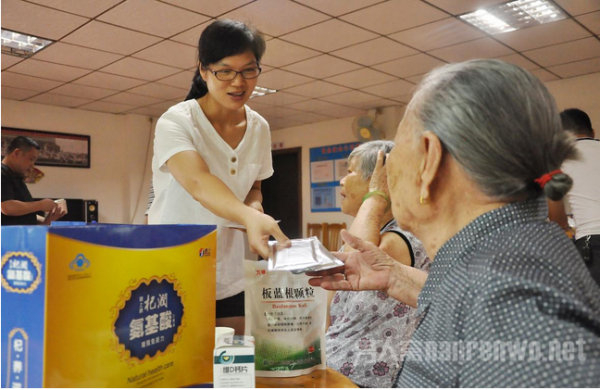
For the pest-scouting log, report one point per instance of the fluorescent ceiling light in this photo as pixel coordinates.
(261, 91)
(21, 45)
(514, 15)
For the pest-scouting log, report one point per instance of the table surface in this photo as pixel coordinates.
(320, 378)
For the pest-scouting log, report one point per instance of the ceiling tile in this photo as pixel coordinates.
(519, 60)
(39, 21)
(165, 105)
(280, 79)
(403, 99)
(160, 91)
(284, 123)
(387, 90)
(578, 7)
(280, 112)
(322, 67)
(132, 99)
(140, 69)
(253, 104)
(310, 118)
(47, 70)
(543, 35)
(393, 16)
(110, 81)
(463, 6)
(209, 7)
(83, 91)
(112, 108)
(279, 99)
(591, 21)
(330, 35)
(88, 9)
(544, 75)
(410, 66)
(566, 52)
(416, 79)
(192, 36)
(317, 89)
(21, 81)
(480, 48)
(152, 17)
(280, 53)
(81, 57)
(8, 60)
(438, 34)
(58, 100)
(170, 53)
(377, 104)
(360, 78)
(148, 111)
(109, 38)
(17, 93)
(374, 52)
(314, 105)
(573, 69)
(337, 8)
(350, 98)
(277, 17)
(181, 80)
(342, 111)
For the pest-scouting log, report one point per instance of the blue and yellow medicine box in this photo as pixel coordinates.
(108, 305)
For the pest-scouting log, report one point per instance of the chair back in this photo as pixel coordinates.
(315, 230)
(333, 241)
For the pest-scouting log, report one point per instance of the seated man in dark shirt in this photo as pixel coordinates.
(18, 206)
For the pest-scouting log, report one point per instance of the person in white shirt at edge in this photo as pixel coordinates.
(584, 197)
(211, 153)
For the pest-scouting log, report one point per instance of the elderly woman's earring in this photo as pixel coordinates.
(423, 200)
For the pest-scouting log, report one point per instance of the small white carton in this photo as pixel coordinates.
(234, 362)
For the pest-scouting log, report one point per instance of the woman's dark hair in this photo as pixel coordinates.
(221, 39)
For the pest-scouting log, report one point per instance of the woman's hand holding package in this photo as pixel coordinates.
(371, 269)
(368, 269)
(259, 227)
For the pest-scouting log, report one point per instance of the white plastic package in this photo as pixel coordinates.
(286, 316)
(305, 254)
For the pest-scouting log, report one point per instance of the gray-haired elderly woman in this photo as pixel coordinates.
(369, 331)
(508, 301)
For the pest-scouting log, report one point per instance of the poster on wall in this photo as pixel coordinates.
(328, 165)
(57, 149)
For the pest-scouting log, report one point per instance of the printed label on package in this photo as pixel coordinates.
(17, 359)
(21, 272)
(150, 319)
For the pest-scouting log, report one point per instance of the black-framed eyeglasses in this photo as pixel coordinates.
(230, 74)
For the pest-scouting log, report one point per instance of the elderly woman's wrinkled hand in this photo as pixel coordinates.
(368, 269)
(379, 178)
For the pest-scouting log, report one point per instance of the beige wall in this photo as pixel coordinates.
(579, 92)
(119, 145)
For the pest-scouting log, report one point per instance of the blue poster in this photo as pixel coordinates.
(328, 165)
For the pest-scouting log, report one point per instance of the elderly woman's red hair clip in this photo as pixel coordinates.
(542, 180)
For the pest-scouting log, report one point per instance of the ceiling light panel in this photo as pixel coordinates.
(514, 15)
(22, 45)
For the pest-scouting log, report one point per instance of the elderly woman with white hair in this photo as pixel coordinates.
(508, 300)
(369, 329)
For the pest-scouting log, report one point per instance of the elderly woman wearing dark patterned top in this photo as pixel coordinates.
(508, 301)
(365, 347)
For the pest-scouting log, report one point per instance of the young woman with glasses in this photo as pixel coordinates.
(211, 153)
